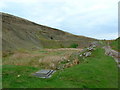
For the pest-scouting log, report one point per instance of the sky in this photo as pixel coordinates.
(92, 18)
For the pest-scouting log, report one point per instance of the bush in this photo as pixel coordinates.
(74, 45)
(61, 46)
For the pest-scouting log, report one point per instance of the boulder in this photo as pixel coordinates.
(87, 54)
(81, 55)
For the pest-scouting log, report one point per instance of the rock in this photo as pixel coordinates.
(52, 65)
(18, 75)
(60, 67)
(90, 49)
(94, 46)
(84, 54)
(87, 54)
(81, 55)
(68, 60)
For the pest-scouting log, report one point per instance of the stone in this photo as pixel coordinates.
(87, 54)
(90, 48)
(94, 46)
(52, 65)
(81, 55)
(60, 67)
(68, 60)
(18, 75)
(84, 54)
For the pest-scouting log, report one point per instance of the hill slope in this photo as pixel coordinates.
(20, 33)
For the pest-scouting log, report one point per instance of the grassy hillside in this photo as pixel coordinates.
(97, 71)
(115, 44)
(19, 33)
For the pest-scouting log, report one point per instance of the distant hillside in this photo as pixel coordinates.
(20, 33)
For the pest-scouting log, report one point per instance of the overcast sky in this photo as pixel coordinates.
(92, 18)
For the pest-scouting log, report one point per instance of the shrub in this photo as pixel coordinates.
(61, 45)
(74, 45)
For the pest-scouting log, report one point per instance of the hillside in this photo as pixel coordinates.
(29, 47)
(20, 33)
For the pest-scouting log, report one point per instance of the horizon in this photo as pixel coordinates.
(96, 20)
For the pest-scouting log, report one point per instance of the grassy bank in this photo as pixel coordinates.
(97, 71)
(115, 44)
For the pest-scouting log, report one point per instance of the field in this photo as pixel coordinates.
(96, 71)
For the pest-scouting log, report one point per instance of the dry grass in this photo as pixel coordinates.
(64, 49)
(44, 58)
(23, 55)
(51, 61)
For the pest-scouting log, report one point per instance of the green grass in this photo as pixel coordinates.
(98, 71)
(0, 76)
(115, 44)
